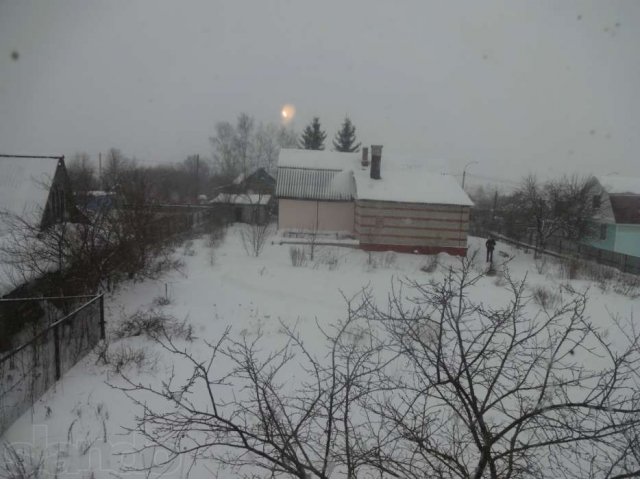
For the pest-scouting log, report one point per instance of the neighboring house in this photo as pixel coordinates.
(36, 189)
(619, 219)
(245, 208)
(402, 207)
(257, 181)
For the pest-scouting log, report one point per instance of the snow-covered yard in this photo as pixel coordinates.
(80, 426)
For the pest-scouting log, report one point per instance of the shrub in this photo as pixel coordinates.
(298, 256)
(124, 357)
(541, 264)
(188, 249)
(389, 259)
(328, 258)
(430, 265)
(545, 297)
(19, 462)
(152, 324)
(254, 237)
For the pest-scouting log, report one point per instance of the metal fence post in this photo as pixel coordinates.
(56, 350)
(102, 323)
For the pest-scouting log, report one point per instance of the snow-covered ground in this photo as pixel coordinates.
(80, 424)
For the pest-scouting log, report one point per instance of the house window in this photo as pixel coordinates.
(603, 232)
(597, 201)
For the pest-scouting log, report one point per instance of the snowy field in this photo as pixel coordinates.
(80, 426)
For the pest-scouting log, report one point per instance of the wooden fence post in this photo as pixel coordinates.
(56, 350)
(102, 322)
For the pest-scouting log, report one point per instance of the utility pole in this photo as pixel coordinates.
(464, 171)
(197, 176)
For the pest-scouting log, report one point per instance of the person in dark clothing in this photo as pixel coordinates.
(490, 244)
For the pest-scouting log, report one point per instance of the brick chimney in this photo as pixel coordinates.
(376, 160)
(365, 156)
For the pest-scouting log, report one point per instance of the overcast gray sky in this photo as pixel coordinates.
(540, 86)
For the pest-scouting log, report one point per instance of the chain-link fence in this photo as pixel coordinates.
(29, 370)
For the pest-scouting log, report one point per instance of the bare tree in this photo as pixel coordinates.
(275, 429)
(255, 233)
(242, 147)
(115, 167)
(431, 385)
(81, 173)
(563, 207)
(501, 392)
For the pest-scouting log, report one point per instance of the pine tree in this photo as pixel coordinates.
(313, 136)
(345, 139)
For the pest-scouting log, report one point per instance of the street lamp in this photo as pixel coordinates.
(464, 171)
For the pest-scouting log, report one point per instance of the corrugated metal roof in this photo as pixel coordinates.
(315, 184)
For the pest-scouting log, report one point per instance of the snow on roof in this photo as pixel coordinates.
(616, 184)
(317, 159)
(242, 199)
(412, 185)
(404, 178)
(239, 179)
(24, 184)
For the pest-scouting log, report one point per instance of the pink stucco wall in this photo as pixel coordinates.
(301, 215)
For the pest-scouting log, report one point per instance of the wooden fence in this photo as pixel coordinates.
(28, 371)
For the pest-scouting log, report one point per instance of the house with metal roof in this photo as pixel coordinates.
(618, 199)
(403, 207)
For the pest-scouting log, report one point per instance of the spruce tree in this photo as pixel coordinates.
(345, 139)
(313, 136)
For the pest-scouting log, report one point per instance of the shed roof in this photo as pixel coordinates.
(24, 184)
(310, 174)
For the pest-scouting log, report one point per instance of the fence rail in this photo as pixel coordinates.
(29, 370)
(565, 249)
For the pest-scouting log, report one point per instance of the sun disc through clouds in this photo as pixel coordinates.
(288, 112)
